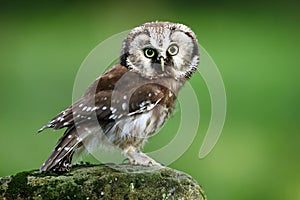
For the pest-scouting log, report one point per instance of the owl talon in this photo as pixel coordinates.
(126, 161)
(136, 157)
(150, 164)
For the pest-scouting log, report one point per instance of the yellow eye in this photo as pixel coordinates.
(149, 53)
(173, 50)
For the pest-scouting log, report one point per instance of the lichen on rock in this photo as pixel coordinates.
(103, 182)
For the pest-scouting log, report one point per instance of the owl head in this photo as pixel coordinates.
(161, 49)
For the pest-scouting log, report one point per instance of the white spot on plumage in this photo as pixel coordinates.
(80, 105)
(95, 108)
(88, 109)
(150, 94)
(89, 118)
(59, 149)
(144, 103)
(113, 110)
(125, 97)
(67, 148)
(104, 108)
(112, 116)
(124, 106)
(84, 108)
(79, 139)
(69, 136)
(66, 123)
(88, 130)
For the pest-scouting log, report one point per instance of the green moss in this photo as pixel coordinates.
(79, 181)
(18, 187)
(104, 182)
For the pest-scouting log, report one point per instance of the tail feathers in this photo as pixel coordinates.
(61, 158)
(45, 127)
(63, 119)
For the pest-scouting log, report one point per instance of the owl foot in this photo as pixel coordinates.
(136, 157)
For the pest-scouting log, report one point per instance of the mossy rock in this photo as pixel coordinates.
(102, 182)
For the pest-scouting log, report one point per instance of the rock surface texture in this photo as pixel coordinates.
(102, 182)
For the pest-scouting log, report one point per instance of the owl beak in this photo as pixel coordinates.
(162, 63)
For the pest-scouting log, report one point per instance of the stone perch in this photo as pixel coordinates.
(102, 182)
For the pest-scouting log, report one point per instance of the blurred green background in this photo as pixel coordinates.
(255, 45)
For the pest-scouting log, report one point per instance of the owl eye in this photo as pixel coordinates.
(149, 53)
(173, 50)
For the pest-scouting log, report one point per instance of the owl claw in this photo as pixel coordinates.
(137, 157)
(126, 161)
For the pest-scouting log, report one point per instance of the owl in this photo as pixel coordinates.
(132, 100)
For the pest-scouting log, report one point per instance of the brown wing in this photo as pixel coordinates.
(97, 97)
(116, 94)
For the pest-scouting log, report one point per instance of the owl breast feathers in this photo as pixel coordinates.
(130, 101)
